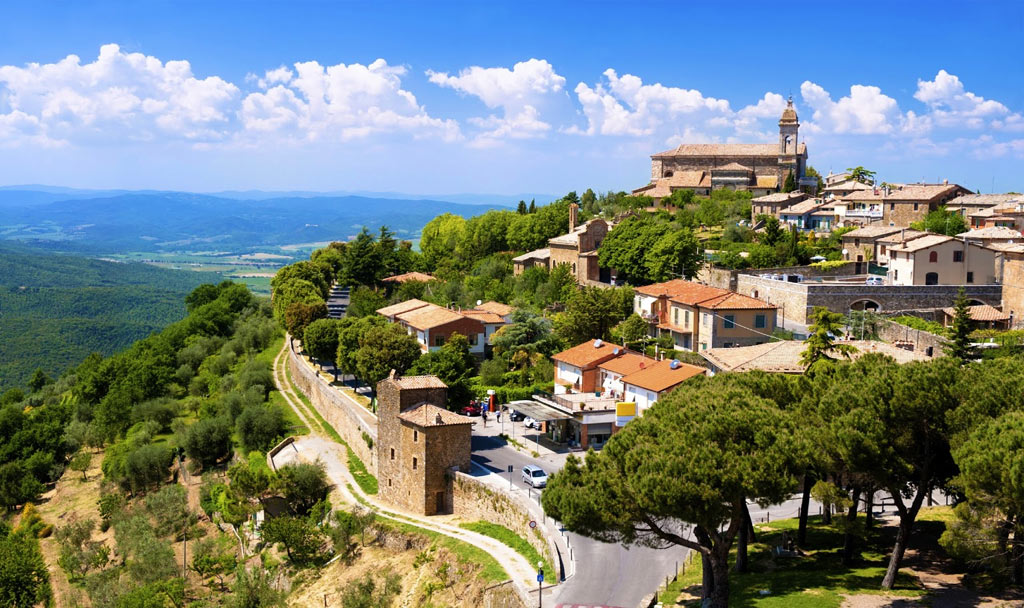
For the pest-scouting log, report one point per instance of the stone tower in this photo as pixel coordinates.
(789, 126)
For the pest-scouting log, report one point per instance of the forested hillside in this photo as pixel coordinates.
(56, 309)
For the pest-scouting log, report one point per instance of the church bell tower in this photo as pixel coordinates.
(789, 125)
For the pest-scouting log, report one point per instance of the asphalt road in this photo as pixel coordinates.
(608, 575)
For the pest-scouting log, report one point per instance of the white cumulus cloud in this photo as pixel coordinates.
(338, 103)
(519, 92)
(953, 106)
(865, 111)
(119, 96)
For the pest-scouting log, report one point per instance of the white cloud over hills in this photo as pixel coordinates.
(132, 98)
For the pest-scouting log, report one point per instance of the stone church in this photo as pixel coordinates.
(759, 168)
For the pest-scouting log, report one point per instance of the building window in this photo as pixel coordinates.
(389, 482)
(856, 242)
(474, 339)
(415, 436)
(760, 321)
(675, 316)
(392, 453)
(895, 274)
(883, 249)
(704, 346)
(414, 463)
(970, 277)
(892, 206)
(916, 205)
(686, 318)
(933, 257)
(668, 174)
(729, 322)
(958, 256)
(728, 345)
(707, 318)
(438, 340)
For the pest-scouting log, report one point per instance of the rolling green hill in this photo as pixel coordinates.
(56, 309)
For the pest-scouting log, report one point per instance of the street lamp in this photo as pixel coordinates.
(540, 582)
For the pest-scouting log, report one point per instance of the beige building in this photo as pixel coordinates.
(859, 244)
(699, 317)
(898, 205)
(577, 249)
(995, 234)
(419, 444)
(433, 325)
(886, 243)
(968, 204)
(1013, 284)
(935, 259)
(758, 168)
(772, 204)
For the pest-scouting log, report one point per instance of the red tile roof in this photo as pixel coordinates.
(588, 354)
(626, 363)
(661, 377)
(427, 414)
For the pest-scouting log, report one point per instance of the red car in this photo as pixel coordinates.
(473, 409)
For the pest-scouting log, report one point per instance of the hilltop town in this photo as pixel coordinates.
(744, 379)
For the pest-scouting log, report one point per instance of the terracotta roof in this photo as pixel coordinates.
(484, 316)
(902, 236)
(428, 414)
(626, 363)
(871, 232)
(922, 242)
(409, 276)
(767, 181)
(994, 232)
(573, 238)
(978, 200)
(417, 382)
(769, 150)
(588, 354)
(784, 356)
(429, 316)
(660, 376)
(668, 288)
(536, 254)
(910, 192)
(780, 197)
(850, 184)
(732, 167)
(803, 207)
(982, 312)
(496, 307)
(734, 301)
(402, 307)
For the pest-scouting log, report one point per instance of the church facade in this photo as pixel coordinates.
(760, 168)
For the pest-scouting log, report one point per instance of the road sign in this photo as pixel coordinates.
(540, 577)
(533, 524)
(511, 468)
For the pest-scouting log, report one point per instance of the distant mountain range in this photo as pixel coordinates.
(117, 220)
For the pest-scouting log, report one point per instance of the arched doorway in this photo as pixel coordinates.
(932, 278)
(867, 305)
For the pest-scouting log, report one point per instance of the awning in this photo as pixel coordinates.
(538, 411)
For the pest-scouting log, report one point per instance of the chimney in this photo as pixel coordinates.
(945, 182)
(573, 211)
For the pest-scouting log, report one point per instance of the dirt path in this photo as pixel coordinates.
(287, 390)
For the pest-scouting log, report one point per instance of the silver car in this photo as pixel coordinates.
(534, 476)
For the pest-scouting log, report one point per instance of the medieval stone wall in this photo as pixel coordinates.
(474, 501)
(918, 340)
(336, 408)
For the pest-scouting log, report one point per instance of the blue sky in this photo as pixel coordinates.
(499, 97)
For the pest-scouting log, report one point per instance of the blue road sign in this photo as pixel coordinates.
(540, 577)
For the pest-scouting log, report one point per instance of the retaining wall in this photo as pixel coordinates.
(923, 342)
(337, 409)
(475, 501)
(727, 279)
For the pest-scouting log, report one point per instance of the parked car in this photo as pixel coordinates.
(473, 409)
(516, 416)
(530, 423)
(874, 281)
(534, 476)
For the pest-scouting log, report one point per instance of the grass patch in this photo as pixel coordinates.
(817, 579)
(510, 538)
(490, 569)
(366, 481)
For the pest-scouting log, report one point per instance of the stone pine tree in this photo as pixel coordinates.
(821, 343)
(959, 347)
(689, 464)
(521, 209)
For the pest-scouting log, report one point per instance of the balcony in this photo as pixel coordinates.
(578, 402)
(871, 213)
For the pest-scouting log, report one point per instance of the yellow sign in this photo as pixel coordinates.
(625, 408)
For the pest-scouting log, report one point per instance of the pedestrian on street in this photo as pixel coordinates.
(497, 415)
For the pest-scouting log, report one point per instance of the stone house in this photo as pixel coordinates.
(772, 204)
(420, 444)
(994, 234)
(652, 382)
(576, 249)
(969, 204)
(885, 244)
(936, 259)
(804, 215)
(859, 243)
(899, 205)
(698, 317)
(758, 168)
(433, 325)
(538, 257)
(1013, 284)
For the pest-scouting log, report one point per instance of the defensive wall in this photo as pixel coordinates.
(725, 278)
(917, 340)
(796, 301)
(336, 408)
